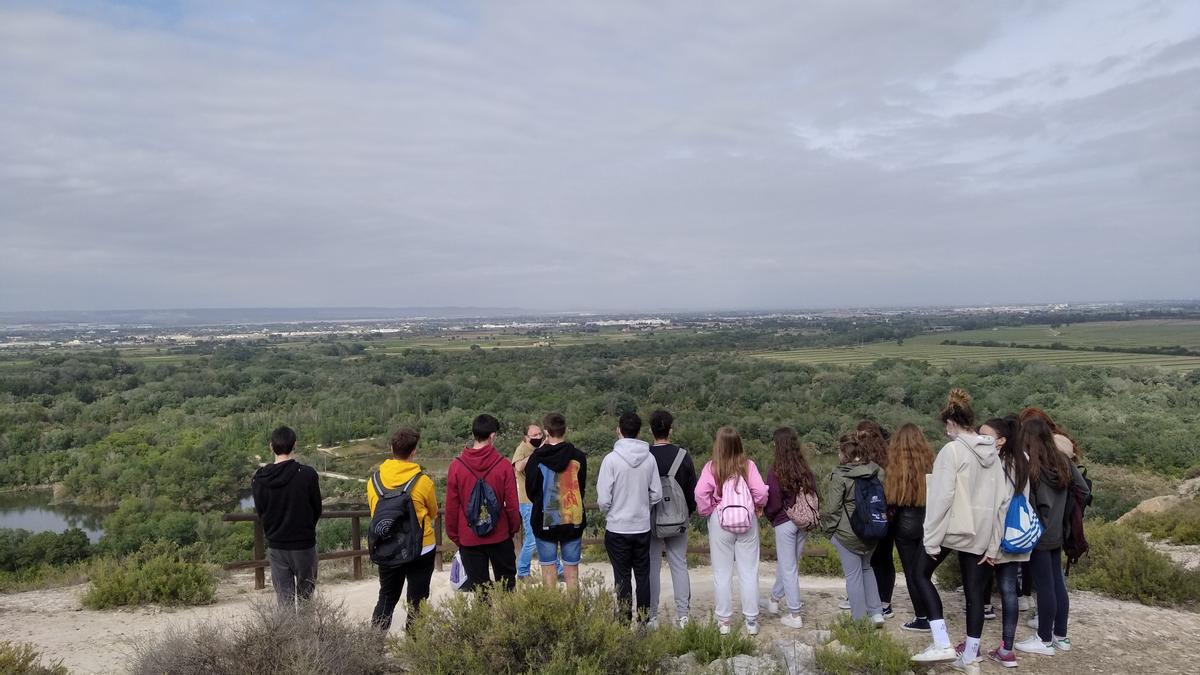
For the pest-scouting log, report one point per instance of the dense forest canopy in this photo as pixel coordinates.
(108, 427)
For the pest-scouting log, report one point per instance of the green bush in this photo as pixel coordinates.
(1179, 524)
(867, 650)
(316, 639)
(544, 630)
(160, 574)
(827, 565)
(19, 657)
(22, 549)
(1120, 564)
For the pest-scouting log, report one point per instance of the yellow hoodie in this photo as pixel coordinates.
(395, 473)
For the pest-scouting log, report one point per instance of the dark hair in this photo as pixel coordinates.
(875, 441)
(555, 424)
(661, 422)
(404, 441)
(853, 448)
(1012, 455)
(791, 467)
(1046, 463)
(283, 440)
(872, 425)
(484, 425)
(958, 409)
(630, 424)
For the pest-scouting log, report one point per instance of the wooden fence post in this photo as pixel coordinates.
(260, 553)
(437, 540)
(356, 545)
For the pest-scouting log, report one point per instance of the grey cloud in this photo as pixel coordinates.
(594, 155)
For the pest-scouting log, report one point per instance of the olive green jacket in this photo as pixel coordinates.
(838, 504)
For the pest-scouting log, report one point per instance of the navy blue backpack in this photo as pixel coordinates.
(870, 518)
(483, 506)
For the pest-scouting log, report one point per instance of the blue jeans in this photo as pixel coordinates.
(1006, 580)
(528, 544)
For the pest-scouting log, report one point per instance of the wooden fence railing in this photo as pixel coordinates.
(356, 552)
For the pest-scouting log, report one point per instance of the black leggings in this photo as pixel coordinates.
(884, 564)
(927, 594)
(908, 543)
(976, 579)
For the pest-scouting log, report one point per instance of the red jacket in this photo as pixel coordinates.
(498, 472)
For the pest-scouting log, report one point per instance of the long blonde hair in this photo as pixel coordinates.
(728, 456)
(910, 458)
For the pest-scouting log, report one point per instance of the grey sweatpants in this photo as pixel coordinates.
(681, 583)
(731, 551)
(293, 573)
(861, 588)
(789, 546)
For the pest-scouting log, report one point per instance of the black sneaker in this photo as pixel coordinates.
(887, 612)
(917, 625)
(989, 612)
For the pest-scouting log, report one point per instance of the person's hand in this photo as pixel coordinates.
(987, 560)
(933, 552)
(758, 511)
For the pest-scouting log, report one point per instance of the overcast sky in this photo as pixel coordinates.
(602, 155)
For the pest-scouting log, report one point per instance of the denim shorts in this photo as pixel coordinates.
(572, 551)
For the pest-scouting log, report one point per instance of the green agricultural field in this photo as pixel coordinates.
(940, 355)
(489, 340)
(1116, 334)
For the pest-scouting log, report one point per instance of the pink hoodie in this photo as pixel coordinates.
(706, 488)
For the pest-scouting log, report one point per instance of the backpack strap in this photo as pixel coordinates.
(383, 493)
(676, 464)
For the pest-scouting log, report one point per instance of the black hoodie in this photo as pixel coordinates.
(567, 520)
(287, 498)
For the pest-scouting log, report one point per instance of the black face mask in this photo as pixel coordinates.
(535, 442)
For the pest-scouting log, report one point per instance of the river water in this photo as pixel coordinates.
(33, 511)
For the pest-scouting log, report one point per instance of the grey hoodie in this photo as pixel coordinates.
(628, 486)
(972, 462)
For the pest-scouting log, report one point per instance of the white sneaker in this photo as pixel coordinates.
(751, 627)
(878, 620)
(772, 605)
(1062, 644)
(652, 623)
(935, 653)
(682, 621)
(844, 604)
(1023, 604)
(723, 627)
(971, 668)
(792, 621)
(1034, 645)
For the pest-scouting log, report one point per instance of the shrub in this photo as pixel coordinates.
(537, 629)
(867, 650)
(317, 639)
(1117, 489)
(159, 574)
(1120, 564)
(22, 549)
(828, 565)
(1179, 524)
(19, 657)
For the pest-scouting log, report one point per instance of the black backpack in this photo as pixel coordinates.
(482, 508)
(870, 518)
(1075, 543)
(396, 535)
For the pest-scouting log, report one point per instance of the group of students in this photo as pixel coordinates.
(1000, 495)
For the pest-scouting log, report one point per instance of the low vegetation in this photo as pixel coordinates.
(1179, 524)
(158, 574)
(1123, 566)
(859, 647)
(547, 631)
(19, 657)
(319, 639)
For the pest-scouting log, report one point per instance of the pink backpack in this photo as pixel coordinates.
(736, 512)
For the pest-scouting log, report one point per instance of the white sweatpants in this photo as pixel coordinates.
(729, 550)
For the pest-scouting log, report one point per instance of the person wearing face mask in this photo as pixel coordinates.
(532, 440)
(966, 501)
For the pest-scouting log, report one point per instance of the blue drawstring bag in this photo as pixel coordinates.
(1022, 527)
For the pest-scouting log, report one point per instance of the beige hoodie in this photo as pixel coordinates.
(972, 462)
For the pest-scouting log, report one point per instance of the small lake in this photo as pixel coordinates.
(33, 511)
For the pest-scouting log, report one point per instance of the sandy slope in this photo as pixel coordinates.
(1109, 636)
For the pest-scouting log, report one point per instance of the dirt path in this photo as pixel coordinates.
(1109, 636)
